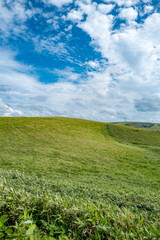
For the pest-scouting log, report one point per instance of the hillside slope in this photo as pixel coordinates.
(76, 147)
(133, 135)
(81, 161)
(144, 125)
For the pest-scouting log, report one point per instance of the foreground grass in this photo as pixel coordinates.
(31, 208)
(69, 179)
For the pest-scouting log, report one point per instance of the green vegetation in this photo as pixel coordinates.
(67, 178)
(133, 135)
(145, 125)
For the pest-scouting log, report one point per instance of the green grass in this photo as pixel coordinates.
(67, 178)
(144, 125)
(134, 135)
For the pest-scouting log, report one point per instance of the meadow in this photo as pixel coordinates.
(63, 178)
(144, 125)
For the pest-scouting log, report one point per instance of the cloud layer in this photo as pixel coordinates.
(119, 79)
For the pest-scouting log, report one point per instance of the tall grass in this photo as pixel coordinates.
(35, 211)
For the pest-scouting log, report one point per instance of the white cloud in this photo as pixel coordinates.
(50, 44)
(93, 64)
(75, 16)
(98, 26)
(58, 3)
(8, 111)
(67, 29)
(126, 3)
(14, 17)
(128, 13)
(67, 74)
(148, 9)
(132, 52)
(130, 47)
(105, 8)
(99, 97)
(6, 19)
(29, 97)
(131, 70)
(52, 20)
(151, 28)
(86, 7)
(7, 61)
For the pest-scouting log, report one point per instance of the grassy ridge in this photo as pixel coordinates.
(70, 179)
(133, 135)
(144, 125)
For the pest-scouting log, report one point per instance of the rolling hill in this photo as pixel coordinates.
(144, 125)
(64, 178)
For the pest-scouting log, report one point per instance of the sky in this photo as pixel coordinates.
(89, 59)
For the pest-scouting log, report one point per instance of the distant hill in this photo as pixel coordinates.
(144, 125)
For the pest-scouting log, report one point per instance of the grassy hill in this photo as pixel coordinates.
(134, 135)
(144, 125)
(67, 178)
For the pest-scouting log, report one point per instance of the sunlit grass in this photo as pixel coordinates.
(70, 179)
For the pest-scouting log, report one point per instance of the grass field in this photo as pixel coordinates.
(144, 125)
(64, 178)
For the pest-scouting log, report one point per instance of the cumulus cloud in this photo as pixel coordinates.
(148, 9)
(113, 87)
(29, 97)
(75, 16)
(98, 26)
(58, 3)
(8, 17)
(132, 53)
(125, 3)
(13, 17)
(128, 14)
(133, 47)
(105, 8)
(93, 64)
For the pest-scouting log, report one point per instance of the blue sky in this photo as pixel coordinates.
(97, 60)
